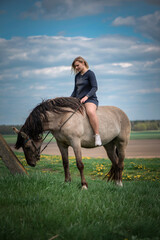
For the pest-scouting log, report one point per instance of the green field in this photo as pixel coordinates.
(41, 206)
(145, 135)
(11, 139)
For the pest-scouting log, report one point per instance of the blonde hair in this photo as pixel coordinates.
(81, 60)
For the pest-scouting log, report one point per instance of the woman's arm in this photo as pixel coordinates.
(93, 82)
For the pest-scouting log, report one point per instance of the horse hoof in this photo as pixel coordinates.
(84, 187)
(119, 183)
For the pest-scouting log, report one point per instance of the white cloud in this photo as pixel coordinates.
(64, 9)
(117, 69)
(148, 91)
(67, 9)
(123, 66)
(148, 25)
(128, 21)
(38, 87)
(52, 72)
(51, 57)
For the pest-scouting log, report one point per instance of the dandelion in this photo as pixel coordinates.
(140, 166)
(129, 177)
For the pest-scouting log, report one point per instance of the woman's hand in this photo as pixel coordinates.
(84, 99)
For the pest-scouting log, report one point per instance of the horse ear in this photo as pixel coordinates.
(15, 130)
(24, 135)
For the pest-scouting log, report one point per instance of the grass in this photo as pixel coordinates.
(135, 135)
(11, 139)
(42, 206)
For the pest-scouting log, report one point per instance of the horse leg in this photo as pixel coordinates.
(64, 152)
(121, 147)
(111, 152)
(78, 154)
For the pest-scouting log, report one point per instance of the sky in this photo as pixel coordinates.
(120, 39)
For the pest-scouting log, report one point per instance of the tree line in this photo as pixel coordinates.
(135, 126)
(7, 129)
(145, 125)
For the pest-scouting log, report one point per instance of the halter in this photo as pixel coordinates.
(38, 149)
(37, 155)
(59, 129)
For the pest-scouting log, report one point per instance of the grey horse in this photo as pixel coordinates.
(67, 120)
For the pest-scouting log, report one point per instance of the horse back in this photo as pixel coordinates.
(113, 122)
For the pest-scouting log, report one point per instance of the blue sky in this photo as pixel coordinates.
(120, 39)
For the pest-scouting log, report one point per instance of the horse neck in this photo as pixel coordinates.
(56, 120)
(53, 122)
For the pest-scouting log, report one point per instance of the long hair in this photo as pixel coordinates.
(81, 60)
(33, 125)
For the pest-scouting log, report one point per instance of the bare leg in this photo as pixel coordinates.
(91, 112)
(64, 152)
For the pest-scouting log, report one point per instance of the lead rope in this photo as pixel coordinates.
(59, 128)
(47, 143)
(70, 116)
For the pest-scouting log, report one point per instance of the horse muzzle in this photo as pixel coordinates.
(32, 164)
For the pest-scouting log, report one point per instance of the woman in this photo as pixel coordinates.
(85, 89)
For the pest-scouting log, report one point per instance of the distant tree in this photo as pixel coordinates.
(145, 125)
(140, 126)
(7, 129)
(151, 126)
(135, 126)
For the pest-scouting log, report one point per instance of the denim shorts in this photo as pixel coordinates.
(92, 100)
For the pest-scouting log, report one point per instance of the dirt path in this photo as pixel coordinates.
(135, 149)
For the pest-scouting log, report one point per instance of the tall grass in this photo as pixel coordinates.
(42, 206)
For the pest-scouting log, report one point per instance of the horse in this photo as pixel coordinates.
(66, 119)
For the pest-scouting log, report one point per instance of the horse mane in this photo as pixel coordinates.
(33, 125)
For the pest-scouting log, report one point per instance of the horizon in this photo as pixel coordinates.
(21, 124)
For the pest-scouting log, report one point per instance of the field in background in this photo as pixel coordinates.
(11, 139)
(145, 135)
(42, 206)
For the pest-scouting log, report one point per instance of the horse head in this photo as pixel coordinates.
(31, 148)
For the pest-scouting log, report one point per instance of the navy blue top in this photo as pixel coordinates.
(86, 85)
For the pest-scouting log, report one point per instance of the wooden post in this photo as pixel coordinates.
(10, 159)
